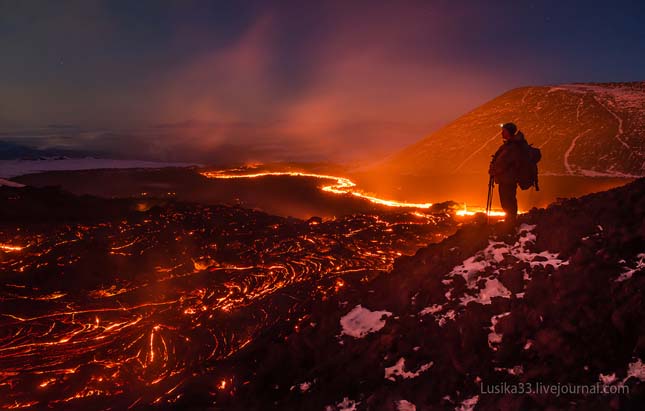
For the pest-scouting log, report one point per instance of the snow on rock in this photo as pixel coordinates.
(517, 370)
(521, 251)
(468, 404)
(640, 264)
(607, 379)
(303, 387)
(345, 405)
(360, 321)
(626, 97)
(493, 288)
(498, 252)
(580, 117)
(433, 309)
(398, 369)
(10, 183)
(443, 318)
(496, 257)
(405, 405)
(495, 338)
(636, 369)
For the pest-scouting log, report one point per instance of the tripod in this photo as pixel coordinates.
(489, 199)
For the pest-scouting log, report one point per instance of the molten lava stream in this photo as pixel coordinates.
(344, 186)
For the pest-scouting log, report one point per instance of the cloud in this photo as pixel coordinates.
(360, 83)
(334, 80)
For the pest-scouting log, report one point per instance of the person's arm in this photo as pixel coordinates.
(502, 162)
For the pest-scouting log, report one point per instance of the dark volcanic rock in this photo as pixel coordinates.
(562, 306)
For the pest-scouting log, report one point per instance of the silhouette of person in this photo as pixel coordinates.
(504, 168)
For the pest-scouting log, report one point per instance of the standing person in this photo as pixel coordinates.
(505, 169)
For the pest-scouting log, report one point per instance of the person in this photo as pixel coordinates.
(504, 169)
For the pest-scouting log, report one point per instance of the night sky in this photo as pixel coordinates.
(198, 80)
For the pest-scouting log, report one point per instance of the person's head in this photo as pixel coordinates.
(508, 131)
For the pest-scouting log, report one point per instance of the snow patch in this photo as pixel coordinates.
(517, 370)
(497, 252)
(345, 405)
(607, 379)
(468, 404)
(496, 257)
(433, 309)
(303, 387)
(10, 183)
(398, 369)
(636, 369)
(626, 275)
(360, 321)
(405, 405)
(493, 288)
(493, 337)
(443, 318)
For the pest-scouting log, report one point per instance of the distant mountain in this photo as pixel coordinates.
(582, 129)
(15, 168)
(13, 151)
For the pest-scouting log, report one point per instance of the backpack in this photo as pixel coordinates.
(528, 170)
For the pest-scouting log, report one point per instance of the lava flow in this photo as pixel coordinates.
(344, 186)
(121, 312)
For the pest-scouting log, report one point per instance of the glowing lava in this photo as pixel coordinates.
(125, 312)
(8, 247)
(342, 185)
(473, 211)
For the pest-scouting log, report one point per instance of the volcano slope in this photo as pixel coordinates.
(585, 129)
(463, 321)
